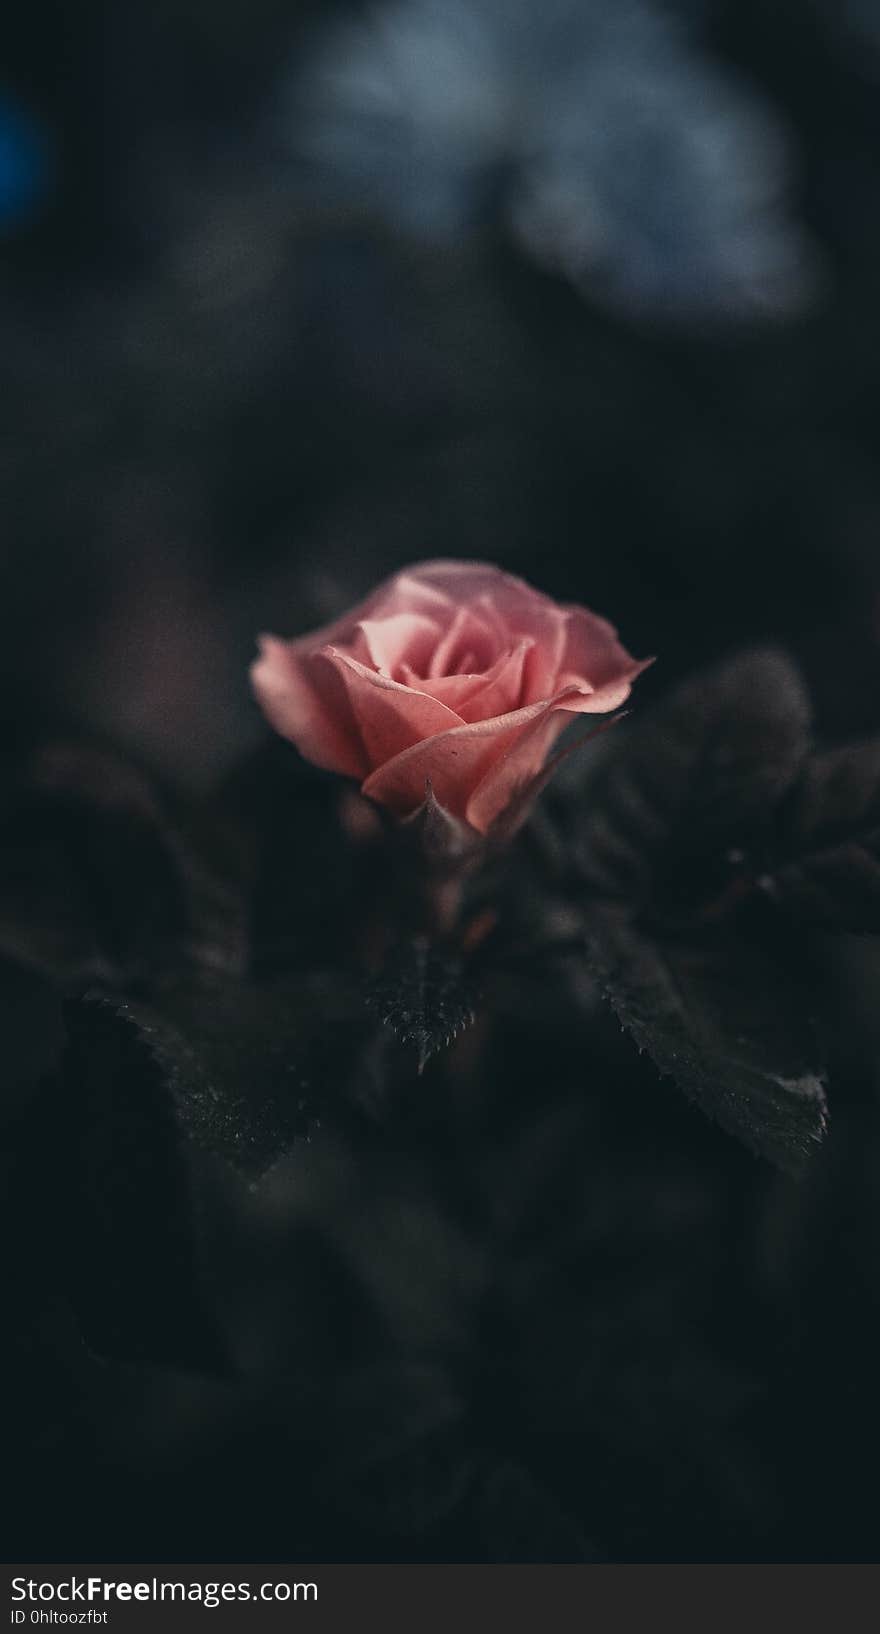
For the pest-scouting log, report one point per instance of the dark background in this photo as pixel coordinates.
(246, 375)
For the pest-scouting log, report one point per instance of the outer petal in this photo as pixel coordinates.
(504, 819)
(307, 704)
(445, 581)
(457, 761)
(520, 765)
(459, 581)
(593, 650)
(414, 591)
(609, 695)
(390, 717)
(508, 779)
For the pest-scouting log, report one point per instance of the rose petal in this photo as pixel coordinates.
(501, 689)
(610, 694)
(519, 799)
(478, 697)
(519, 766)
(308, 706)
(400, 639)
(593, 650)
(513, 608)
(391, 717)
(461, 581)
(456, 761)
(468, 644)
(412, 591)
(544, 625)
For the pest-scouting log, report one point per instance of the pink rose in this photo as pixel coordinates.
(452, 677)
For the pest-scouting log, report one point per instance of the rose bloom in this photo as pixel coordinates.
(452, 680)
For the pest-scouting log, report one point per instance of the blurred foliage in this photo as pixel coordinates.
(611, 148)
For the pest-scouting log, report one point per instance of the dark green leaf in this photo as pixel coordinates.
(244, 1068)
(698, 776)
(424, 996)
(132, 1245)
(166, 1103)
(96, 880)
(730, 1022)
(831, 842)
